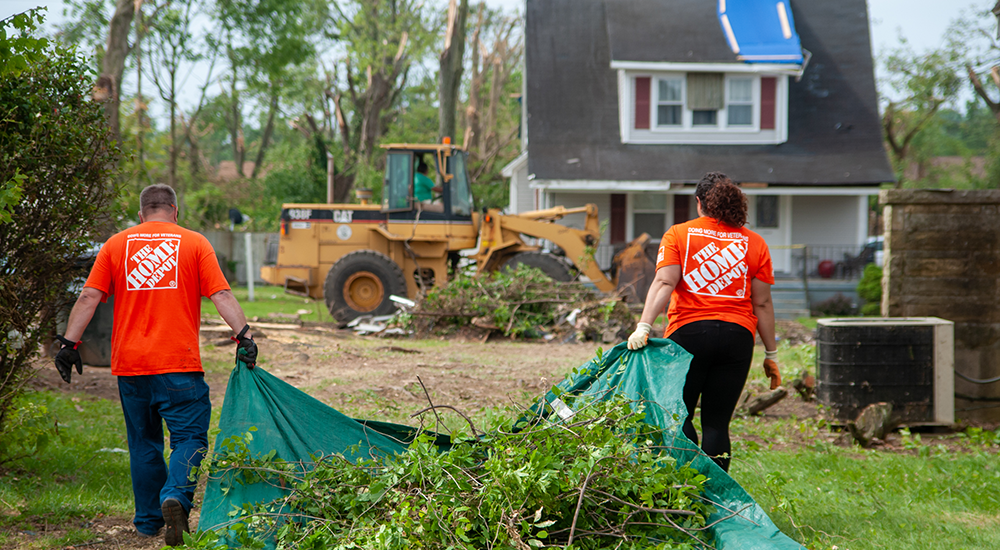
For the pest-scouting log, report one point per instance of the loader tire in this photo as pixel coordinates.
(360, 283)
(550, 264)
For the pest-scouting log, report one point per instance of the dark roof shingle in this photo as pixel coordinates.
(834, 134)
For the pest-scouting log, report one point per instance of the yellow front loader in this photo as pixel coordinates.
(355, 256)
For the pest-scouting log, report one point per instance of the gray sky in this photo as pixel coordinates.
(923, 22)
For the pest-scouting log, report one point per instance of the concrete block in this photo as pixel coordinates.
(936, 268)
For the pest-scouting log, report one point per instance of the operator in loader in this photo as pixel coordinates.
(158, 273)
(717, 276)
(424, 188)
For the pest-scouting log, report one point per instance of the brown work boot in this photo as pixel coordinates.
(176, 518)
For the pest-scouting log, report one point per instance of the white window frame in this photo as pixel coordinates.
(754, 125)
(654, 105)
(634, 204)
(687, 133)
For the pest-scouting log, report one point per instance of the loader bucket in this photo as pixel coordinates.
(634, 267)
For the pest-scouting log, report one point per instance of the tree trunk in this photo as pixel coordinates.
(471, 138)
(450, 74)
(139, 105)
(113, 65)
(268, 130)
(236, 126)
(174, 150)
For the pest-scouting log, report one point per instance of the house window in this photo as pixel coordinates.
(767, 211)
(740, 102)
(670, 102)
(704, 98)
(705, 118)
(649, 215)
(703, 108)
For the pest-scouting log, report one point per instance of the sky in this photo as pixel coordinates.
(922, 22)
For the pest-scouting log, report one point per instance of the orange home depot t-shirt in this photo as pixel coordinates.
(157, 272)
(717, 264)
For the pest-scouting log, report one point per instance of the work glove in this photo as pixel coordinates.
(246, 349)
(771, 368)
(640, 337)
(67, 357)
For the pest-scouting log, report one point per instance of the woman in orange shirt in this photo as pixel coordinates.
(719, 274)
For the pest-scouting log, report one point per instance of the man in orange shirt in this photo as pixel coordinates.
(158, 272)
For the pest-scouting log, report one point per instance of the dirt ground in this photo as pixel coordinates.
(358, 375)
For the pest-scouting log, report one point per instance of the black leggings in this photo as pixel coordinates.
(722, 356)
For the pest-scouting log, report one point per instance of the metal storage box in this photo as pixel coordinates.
(908, 362)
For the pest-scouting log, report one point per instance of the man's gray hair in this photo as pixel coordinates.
(157, 196)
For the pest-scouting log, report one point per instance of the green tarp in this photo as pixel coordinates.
(297, 426)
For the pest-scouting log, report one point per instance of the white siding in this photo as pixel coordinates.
(603, 202)
(826, 221)
(525, 197)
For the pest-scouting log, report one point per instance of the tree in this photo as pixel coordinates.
(113, 64)
(491, 116)
(380, 42)
(17, 52)
(265, 39)
(925, 82)
(451, 66)
(173, 45)
(975, 38)
(55, 140)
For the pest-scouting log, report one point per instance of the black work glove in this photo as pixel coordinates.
(246, 349)
(67, 357)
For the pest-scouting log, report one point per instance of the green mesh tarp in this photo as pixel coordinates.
(655, 376)
(297, 426)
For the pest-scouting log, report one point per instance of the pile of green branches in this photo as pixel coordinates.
(597, 480)
(520, 303)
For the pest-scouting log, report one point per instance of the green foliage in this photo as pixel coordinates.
(494, 297)
(55, 141)
(267, 37)
(523, 303)
(976, 436)
(870, 290)
(20, 46)
(598, 480)
(835, 306)
(208, 206)
(28, 429)
(296, 174)
(10, 195)
(71, 476)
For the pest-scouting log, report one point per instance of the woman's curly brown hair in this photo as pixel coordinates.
(722, 199)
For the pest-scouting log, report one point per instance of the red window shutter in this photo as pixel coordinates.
(617, 218)
(768, 101)
(642, 103)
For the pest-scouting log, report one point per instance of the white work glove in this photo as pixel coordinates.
(640, 337)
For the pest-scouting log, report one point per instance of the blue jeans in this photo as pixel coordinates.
(181, 399)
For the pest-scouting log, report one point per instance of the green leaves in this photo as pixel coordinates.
(601, 477)
(20, 49)
(56, 165)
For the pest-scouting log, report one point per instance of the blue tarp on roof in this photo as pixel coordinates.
(760, 31)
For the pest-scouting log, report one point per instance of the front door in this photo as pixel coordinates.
(771, 217)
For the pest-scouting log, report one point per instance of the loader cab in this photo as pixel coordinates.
(405, 194)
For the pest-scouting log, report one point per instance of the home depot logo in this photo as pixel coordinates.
(716, 263)
(151, 261)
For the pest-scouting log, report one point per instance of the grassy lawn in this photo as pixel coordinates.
(269, 300)
(78, 475)
(824, 495)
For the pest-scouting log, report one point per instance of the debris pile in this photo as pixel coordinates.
(523, 304)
